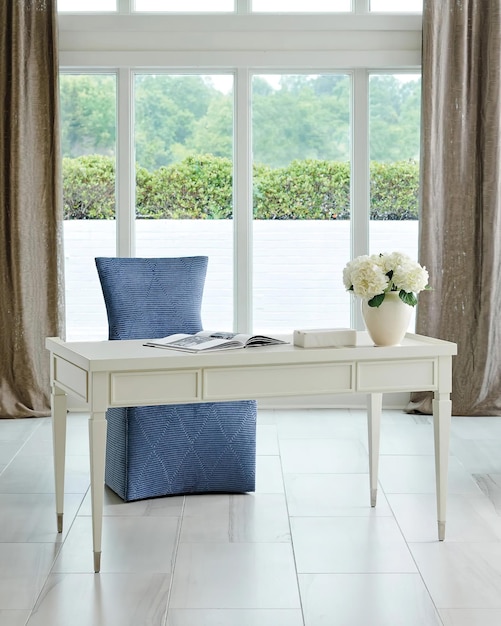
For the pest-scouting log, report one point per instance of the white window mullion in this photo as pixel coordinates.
(243, 6)
(361, 6)
(125, 6)
(125, 166)
(242, 210)
(360, 174)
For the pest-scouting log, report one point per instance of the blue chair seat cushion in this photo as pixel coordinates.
(181, 449)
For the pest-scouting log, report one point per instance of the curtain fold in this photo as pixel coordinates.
(31, 259)
(460, 222)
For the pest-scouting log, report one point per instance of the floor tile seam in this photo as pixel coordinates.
(418, 570)
(380, 574)
(174, 559)
(301, 605)
(360, 572)
(56, 556)
(23, 445)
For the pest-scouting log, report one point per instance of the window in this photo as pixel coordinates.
(301, 231)
(395, 111)
(185, 6)
(184, 183)
(265, 157)
(301, 6)
(397, 6)
(88, 140)
(88, 6)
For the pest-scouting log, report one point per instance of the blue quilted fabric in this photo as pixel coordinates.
(171, 449)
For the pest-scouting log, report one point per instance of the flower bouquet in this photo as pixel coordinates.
(372, 277)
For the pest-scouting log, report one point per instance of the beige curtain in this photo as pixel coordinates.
(461, 196)
(31, 287)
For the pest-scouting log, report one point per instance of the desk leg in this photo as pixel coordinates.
(58, 401)
(97, 445)
(374, 405)
(442, 407)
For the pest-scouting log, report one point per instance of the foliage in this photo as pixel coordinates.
(295, 117)
(201, 188)
(89, 188)
(88, 114)
(195, 188)
(306, 118)
(303, 190)
(167, 109)
(394, 190)
(394, 118)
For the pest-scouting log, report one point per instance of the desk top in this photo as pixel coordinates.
(125, 355)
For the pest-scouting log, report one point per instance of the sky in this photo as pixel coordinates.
(227, 5)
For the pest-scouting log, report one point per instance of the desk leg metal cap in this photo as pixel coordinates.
(97, 562)
(59, 522)
(441, 531)
(373, 497)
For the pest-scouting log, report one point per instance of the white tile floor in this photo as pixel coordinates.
(305, 550)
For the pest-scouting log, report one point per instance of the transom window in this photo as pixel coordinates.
(242, 6)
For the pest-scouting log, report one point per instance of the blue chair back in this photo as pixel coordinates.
(150, 298)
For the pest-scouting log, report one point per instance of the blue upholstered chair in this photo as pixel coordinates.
(170, 449)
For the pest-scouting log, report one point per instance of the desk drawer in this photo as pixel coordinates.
(412, 375)
(144, 388)
(71, 377)
(279, 380)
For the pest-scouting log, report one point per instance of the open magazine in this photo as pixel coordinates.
(207, 340)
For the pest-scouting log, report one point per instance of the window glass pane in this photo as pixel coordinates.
(93, 6)
(88, 129)
(301, 6)
(397, 6)
(184, 194)
(185, 6)
(301, 232)
(395, 111)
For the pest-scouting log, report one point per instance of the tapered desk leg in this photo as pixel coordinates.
(374, 405)
(97, 445)
(442, 408)
(58, 402)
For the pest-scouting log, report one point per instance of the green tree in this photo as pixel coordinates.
(213, 133)
(167, 108)
(394, 118)
(302, 119)
(88, 114)
(296, 117)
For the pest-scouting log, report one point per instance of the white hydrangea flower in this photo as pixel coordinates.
(410, 277)
(374, 275)
(368, 278)
(393, 260)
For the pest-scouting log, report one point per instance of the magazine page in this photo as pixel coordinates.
(212, 340)
(225, 336)
(262, 340)
(244, 340)
(194, 343)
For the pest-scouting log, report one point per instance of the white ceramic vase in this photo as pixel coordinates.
(387, 323)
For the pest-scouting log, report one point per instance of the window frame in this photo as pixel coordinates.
(357, 44)
(239, 7)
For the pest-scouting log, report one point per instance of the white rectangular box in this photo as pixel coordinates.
(325, 337)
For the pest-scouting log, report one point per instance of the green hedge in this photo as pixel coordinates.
(89, 188)
(201, 188)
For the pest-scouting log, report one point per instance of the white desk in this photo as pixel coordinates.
(125, 373)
